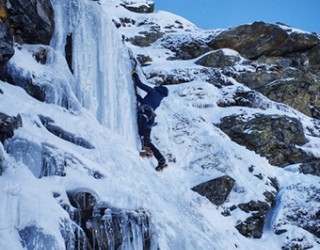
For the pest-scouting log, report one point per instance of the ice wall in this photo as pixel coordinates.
(100, 64)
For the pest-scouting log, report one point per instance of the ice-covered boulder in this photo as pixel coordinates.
(106, 227)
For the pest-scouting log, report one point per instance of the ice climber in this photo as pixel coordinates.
(146, 118)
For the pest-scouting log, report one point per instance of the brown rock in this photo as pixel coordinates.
(259, 38)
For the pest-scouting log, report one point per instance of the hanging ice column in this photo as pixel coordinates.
(100, 63)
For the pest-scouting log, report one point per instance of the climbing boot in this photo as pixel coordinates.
(161, 166)
(146, 152)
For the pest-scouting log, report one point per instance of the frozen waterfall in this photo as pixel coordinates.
(101, 67)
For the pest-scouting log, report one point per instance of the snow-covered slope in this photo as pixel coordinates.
(101, 115)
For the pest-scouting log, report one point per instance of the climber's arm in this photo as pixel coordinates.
(140, 84)
(139, 98)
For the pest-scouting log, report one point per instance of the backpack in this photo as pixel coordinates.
(148, 113)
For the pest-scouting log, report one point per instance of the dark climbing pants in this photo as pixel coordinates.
(144, 129)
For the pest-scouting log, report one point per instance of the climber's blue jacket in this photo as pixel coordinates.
(154, 95)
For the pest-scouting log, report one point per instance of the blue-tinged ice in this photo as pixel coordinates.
(100, 64)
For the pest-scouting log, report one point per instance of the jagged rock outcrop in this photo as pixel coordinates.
(6, 44)
(29, 21)
(286, 68)
(216, 190)
(278, 79)
(7, 126)
(272, 136)
(259, 38)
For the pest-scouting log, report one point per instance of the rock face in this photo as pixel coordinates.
(274, 137)
(258, 39)
(277, 79)
(299, 94)
(6, 44)
(7, 126)
(285, 66)
(30, 21)
(216, 190)
(288, 70)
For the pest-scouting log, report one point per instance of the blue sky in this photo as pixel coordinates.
(213, 14)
